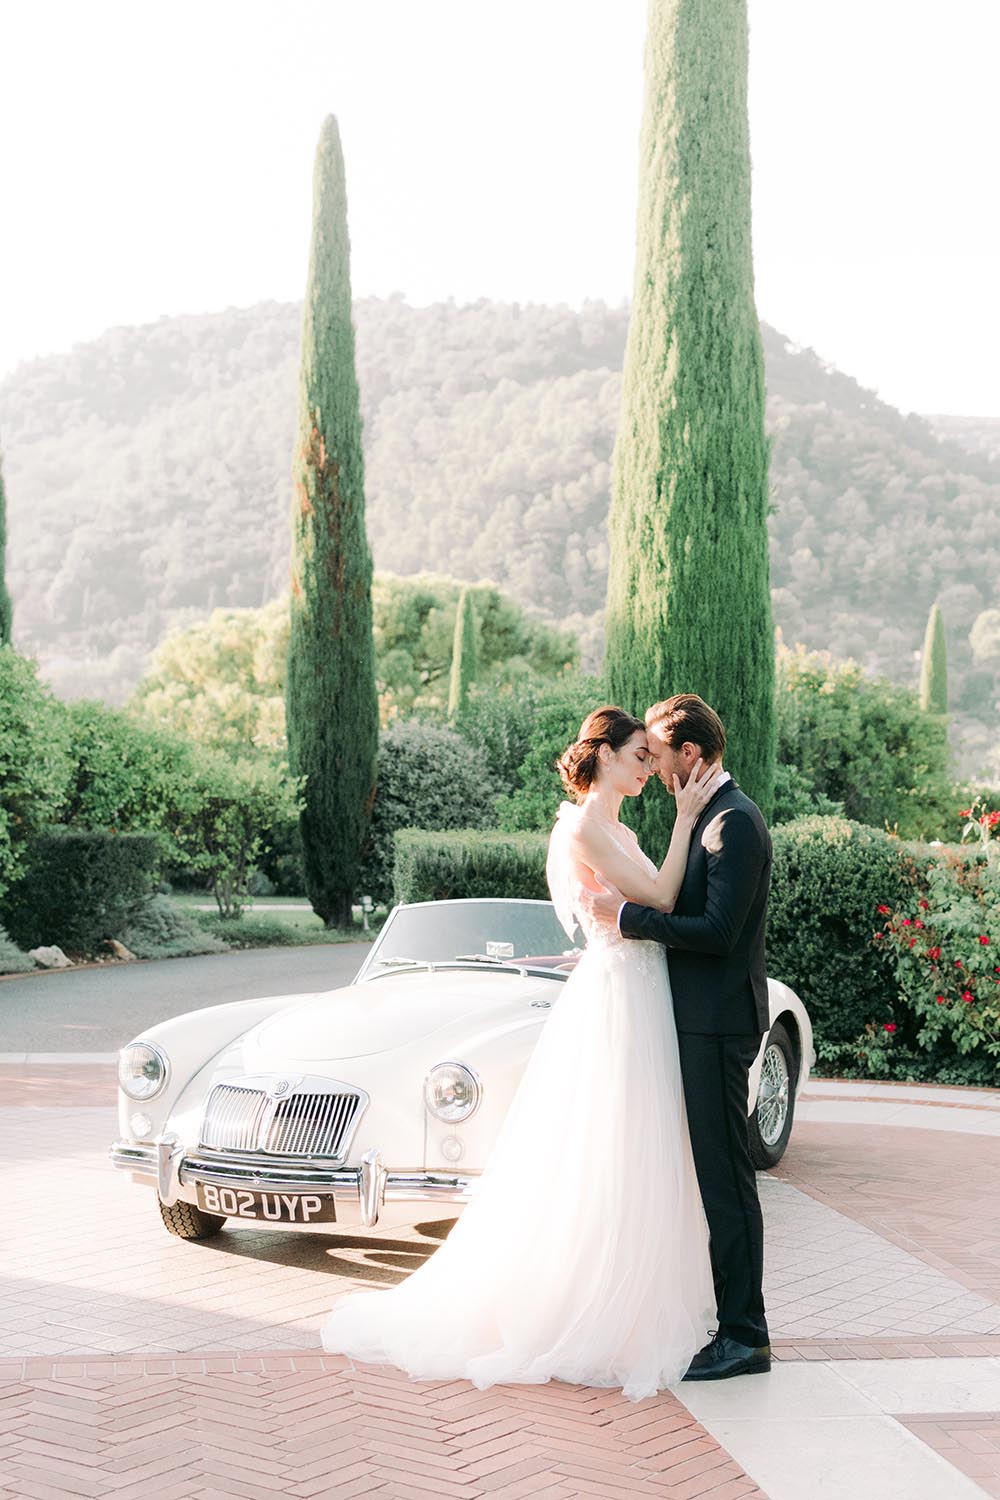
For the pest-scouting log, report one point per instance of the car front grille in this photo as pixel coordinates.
(247, 1118)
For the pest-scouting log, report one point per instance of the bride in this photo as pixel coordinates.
(583, 1254)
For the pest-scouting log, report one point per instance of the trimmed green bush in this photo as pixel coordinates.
(80, 888)
(829, 878)
(428, 777)
(862, 743)
(160, 929)
(34, 760)
(467, 862)
(12, 960)
(557, 713)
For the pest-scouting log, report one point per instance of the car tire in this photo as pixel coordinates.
(770, 1125)
(189, 1222)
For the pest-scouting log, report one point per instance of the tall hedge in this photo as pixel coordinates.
(463, 863)
(331, 702)
(35, 761)
(828, 880)
(934, 666)
(80, 887)
(688, 598)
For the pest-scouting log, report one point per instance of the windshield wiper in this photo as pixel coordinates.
(481, 958)
(401, 962)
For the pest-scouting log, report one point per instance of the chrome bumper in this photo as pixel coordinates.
(363, 1188)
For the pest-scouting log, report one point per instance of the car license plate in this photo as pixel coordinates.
(266, 1208)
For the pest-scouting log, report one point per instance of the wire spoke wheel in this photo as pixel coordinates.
(770, 1125)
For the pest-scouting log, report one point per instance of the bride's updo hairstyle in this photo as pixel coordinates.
(579, 762)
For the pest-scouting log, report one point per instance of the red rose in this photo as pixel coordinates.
(984, 940)
(883, 911)
(913, 942)
(918, 923)
(889, 1026)
(906, 921)
(877, 936)
(933, 953)
(925, 904)
(941, 1000)
(958, 963)
(966, 812)
(994, 819)
(968, 996)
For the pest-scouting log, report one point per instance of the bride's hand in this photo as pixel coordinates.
(701, 787)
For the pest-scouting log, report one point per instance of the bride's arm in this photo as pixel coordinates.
(600, 851)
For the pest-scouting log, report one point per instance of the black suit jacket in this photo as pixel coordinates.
(715, 934)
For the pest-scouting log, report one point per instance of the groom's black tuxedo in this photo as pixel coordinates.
(715, 934)
(715, 953)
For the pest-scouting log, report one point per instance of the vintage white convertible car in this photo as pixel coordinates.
(376, 1104)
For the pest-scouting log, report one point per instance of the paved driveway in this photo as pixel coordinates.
(99, 1009)
(137, 1366)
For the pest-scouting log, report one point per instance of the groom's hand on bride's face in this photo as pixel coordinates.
(604, 905)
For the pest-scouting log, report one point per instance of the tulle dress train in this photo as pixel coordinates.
(583, 1255)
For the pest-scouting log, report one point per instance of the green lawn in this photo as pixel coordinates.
(270, 921)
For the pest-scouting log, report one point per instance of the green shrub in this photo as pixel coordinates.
(79, 888)
(34, 759)
(498, 724)
(160, 929)
(556, 716)
(280, 859)
(12, 960)
(224, 819)
(863, 743)
(126, 776)
(829, 878)
(467, 862)
(428, 777)
(944, 946)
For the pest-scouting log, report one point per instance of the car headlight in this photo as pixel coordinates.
(142, 1070)
(452, 1092)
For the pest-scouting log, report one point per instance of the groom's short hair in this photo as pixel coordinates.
(686, 717)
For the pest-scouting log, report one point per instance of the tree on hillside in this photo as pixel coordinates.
(688, 600)
(464, 655)
(332, 708)
(934, 666)
(6, 610)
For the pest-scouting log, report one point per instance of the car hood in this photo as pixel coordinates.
(382, 1015)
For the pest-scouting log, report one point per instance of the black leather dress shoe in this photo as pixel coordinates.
(725, 1357)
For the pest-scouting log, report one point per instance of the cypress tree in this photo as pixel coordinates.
(331, 701)
(934, 666)
(688, 599)
(6, 608)
(464, 654)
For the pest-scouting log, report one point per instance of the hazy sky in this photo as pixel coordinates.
(156, 159)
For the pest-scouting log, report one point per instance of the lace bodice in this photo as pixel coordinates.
(565, 873)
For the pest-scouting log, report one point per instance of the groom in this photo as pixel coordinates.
(715, 950)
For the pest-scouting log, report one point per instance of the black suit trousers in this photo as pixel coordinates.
(715, 1070)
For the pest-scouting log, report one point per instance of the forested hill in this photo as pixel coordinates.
(148, 477)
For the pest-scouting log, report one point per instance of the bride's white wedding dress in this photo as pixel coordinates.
(583, 1255)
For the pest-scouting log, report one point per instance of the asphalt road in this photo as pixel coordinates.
(100, 1009)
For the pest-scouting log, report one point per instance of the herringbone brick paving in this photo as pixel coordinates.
(331, 1431)
(239, 1403)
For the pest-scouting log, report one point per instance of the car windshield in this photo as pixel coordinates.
(474, 931)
